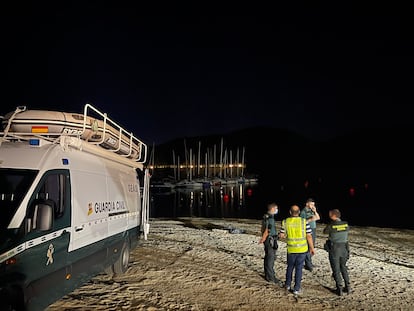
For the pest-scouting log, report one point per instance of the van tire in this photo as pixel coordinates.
(121, 264)
(109, 270)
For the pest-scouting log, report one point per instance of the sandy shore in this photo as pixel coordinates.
(197, 264)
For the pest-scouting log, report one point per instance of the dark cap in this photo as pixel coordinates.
(310, 200)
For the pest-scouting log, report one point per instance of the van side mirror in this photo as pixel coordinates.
(44, 217)
(40, 216)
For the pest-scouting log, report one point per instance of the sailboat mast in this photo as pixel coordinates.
(224, 164)
(199, 158)
(238, 162)
(191, 164)
(221, 159)
(214, 160)
(242, 162)
(206, 165)
(231, 163)
(186, 159)
(174, 166)
(178, 168)
(210, 162)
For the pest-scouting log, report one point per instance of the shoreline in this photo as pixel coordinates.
(197, 264)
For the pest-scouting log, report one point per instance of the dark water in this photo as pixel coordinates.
(376, 203)
(227, 201)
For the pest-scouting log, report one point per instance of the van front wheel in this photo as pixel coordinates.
(121, 264)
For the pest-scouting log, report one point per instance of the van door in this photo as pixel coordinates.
(47, 246)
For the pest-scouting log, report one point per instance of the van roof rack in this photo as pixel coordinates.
(91, 129)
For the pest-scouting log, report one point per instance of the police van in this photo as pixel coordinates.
(70, 202)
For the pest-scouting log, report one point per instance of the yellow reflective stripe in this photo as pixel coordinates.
(32, 243)
(295, 242)
(298, 245)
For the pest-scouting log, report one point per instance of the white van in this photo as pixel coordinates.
(70, 203)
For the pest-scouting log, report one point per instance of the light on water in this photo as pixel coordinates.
(226, 201)
(249, 201)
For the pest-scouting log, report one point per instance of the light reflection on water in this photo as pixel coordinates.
(365, 208)
(226, 201)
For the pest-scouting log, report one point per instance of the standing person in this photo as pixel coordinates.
(338, 248)
(298, 236)
(311, 215)
(269, 238)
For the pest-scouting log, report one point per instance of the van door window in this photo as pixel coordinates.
(54, 190)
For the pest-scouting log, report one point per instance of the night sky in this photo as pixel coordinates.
(319, 70)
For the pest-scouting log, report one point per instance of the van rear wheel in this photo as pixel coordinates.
(121, 264)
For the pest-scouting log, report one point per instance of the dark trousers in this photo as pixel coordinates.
(269, 262)
(295, 262)
(308, 259)
(338, 256)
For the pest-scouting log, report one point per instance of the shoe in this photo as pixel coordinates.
(347, 290)
(296, 292)
(276, 281)
(288, 288)
(280, 283)
(338, 291)
(310, 269)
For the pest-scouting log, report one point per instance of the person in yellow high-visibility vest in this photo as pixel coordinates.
(298, 236)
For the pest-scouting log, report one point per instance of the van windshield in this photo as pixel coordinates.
(14, 184)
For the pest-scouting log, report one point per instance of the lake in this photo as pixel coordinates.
(227, 201)
(376, 204)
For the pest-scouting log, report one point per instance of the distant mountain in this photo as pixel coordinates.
(372, 147)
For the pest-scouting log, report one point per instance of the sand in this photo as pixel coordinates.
(198, 264)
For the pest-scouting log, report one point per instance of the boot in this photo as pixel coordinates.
(338, 291)
(347, 289)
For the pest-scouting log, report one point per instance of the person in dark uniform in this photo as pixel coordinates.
(311, 215)
(269, 238)
(338, 249)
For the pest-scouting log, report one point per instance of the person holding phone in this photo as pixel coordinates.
(311, 215)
